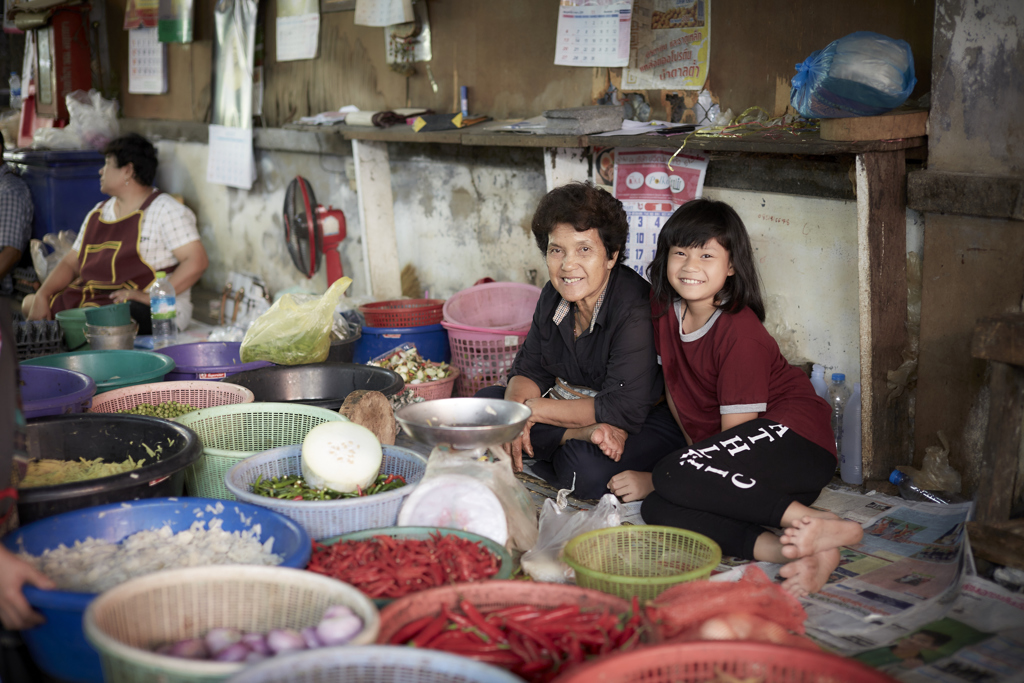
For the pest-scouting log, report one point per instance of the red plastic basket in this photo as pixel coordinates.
(439, 388)
(403, 312)
(700, 661)
(482, 356)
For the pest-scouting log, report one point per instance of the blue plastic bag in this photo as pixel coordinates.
(862, 74)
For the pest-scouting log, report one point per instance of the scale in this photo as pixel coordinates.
(465, 488)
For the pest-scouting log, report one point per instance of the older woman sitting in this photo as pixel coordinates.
(588, 368)
(124, 241)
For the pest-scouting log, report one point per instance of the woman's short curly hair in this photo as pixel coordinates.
(582, 206)
(135, 150)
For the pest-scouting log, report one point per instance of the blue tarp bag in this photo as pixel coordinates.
(862, 74)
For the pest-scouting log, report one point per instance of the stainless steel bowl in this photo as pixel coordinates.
(464, 422)
(102, 337)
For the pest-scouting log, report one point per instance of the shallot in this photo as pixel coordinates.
(236, 652)
(285, 640)
(219, 639)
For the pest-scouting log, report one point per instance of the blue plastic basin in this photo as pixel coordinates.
(431, 342)
(54, 391)
(59, 646)
(208, 361)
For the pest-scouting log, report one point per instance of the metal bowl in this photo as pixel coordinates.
(464, 422)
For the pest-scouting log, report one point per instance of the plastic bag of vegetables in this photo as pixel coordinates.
(294, 333)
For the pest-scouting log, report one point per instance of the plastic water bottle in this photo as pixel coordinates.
(850, 454)
(838, 397)
(818, 381)
(162, 311)
(911, 491)
(15, 85)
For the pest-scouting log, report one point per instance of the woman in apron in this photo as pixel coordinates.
(124, 241)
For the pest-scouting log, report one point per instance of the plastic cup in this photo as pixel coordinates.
(72, 321)
(114, 315)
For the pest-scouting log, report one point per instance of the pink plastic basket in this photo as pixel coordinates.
(439, 388)
(483, 357)
(493, 306)
(198, 394)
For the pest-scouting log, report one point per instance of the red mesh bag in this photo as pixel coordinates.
(753, 608)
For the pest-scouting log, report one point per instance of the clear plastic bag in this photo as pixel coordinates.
(93, 118)
(492, 468)
(862, 74)
(294, 333)
(558, 526)
(936, 474)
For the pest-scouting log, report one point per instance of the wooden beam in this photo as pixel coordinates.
(996, 545)
(966, 194)
(1002, 443)
(909, 123)
(1000, 338)
(377, 216)
(882, 279)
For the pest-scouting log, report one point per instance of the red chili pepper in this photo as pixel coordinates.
(541, 639)
(430, 631)
(411, 629)
(478, 620)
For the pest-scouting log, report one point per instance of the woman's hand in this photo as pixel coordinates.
(15, 612)
(610, 439)
(123, 295)
(631, 485)
(40, 308)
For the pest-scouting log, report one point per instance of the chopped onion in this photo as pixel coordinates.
(218, 639)
(236, 652)
(285, 640)
(339, 630)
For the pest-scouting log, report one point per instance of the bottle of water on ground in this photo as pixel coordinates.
(850, 453)
(162, 311)
(911, 491)
(838, 397)
(14, 82)
(818, 381)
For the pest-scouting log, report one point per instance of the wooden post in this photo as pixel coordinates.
(1000, 341)
(882, 279)
(377, 216)
(563, 165)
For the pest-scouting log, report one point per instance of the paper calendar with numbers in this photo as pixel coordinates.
(147, 62)
(230, 161)
(593, 33)
(650, 192)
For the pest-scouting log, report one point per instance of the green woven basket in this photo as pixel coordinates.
(235, 432)
(640, 560)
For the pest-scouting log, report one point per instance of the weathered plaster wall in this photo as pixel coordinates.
(977, 87)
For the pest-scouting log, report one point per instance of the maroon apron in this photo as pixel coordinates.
(109, 260)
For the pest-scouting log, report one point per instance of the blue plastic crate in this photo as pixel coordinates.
(65, 186)
(431, 341)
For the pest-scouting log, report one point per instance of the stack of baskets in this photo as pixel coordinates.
(486, 325)
(389, 324)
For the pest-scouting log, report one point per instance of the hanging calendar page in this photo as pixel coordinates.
(593, 33)
(650, 192)
(670, 45)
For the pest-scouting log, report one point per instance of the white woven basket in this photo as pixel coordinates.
(193, 393)
(127, 622)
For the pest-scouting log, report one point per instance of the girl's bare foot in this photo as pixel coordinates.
(812, 535)
(809, 574)
(631, 485)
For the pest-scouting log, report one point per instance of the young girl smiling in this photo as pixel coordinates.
(762, 446)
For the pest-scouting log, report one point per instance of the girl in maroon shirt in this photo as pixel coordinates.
(761, 443)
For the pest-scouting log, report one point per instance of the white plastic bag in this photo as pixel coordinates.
(93, 118)
(558, 526)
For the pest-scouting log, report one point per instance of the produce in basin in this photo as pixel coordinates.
(341, 456)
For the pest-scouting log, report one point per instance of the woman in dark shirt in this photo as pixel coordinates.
(588, 368)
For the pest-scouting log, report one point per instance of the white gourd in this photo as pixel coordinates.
(340, 456)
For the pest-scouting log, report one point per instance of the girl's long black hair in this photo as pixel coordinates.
(694, 224)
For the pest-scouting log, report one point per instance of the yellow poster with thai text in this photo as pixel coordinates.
(669, 45)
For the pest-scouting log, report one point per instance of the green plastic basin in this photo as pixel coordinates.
(72, 321)
(114, 369)
(113, 315)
